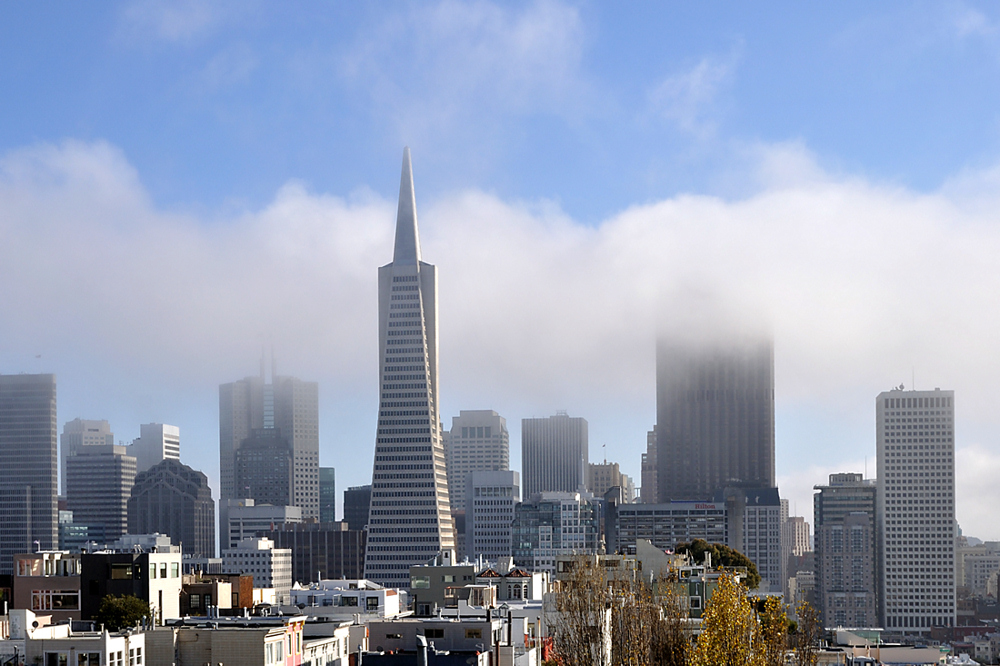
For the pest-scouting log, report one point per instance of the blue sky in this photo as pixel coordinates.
(181, 183)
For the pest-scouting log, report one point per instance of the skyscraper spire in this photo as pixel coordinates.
(407, 250)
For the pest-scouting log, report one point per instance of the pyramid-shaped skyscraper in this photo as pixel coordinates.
(410, 516)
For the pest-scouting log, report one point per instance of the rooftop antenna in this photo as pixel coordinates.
(605, 446)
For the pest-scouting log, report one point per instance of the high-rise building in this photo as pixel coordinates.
(554, 454)
(915, 515)
(279, 420)
(649, 487)
(357, 504)
(550, 524)
(845, 551)
(602, 477)
(175, 500)
(714, 416)
(327, 495)
(489, 511)
(79, 433)
(247, 519)
(321, 551)
(478, 440)
(410, 518)
(28, 458)
(99, 482)
(271, 567)
(157, 441)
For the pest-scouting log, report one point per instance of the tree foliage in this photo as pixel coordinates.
(774, 631)
(722, 555)
(730, 629)
(806, 635)
(117, 613)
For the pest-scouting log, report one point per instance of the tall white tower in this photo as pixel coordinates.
(410, 516)
(915, 444)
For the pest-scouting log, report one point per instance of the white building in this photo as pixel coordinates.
(410, 517)
(270, 567)
(156, 442)
(915, 446)
(348, 598)
(489, 512)
(33, 641)
(478, 441)
(246, 518)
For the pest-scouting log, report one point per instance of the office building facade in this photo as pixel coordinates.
(554, 454)
(478, 441)
(410, 517)
(602, 477)
(99, 481)
(357, 503)
(279, 421)
(156, 442)
(321, 551)
(714, 416)
(327, 495)
(171, 498)
(77, 434)
(247, 519)
(270, 566)
(668, 524)
(489, 513)
(649, 489)
(551, 524)
(28, 457)
(915, 515)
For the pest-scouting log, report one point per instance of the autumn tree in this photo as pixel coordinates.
(806, 635)
(722, 556)
(774, 631)
(730, 629)
(117, 613)
(670, 642)
(580, 628)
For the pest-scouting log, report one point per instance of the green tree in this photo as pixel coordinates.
(730, 629)
(117, 613)
(722, 556)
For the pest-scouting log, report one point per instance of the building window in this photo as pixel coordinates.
(371, 603)
(473, 633)
(175, 569)
(195, 601)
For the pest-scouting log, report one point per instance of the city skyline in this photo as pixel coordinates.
(581, 186)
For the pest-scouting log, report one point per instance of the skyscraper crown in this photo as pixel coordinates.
(407, 250)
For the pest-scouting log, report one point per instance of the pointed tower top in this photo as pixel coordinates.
(407, 250)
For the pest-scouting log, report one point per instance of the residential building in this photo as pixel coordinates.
(154, 577)
(410, 518)
(357, 504)
(201, 591)
(173, 499)
(327, 495)
(714, 415)
(915, 514)
(843, 513)
(348, 597)
(32, 640)
(554, 454)
(28, 458)
(438, 582)
(602, 477)
(321, 550)
(271, 567)
(478, 441)
(267, 641)
(278, 418)
(489, 513)
(156, 442)
(99, 481)
(514, 583)
(552, 524)
(77, 434)
(648, 478)
(976, 569)
(48, 582)
(247, 518)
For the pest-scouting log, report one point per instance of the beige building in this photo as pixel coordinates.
(270, 567)
(602, 477)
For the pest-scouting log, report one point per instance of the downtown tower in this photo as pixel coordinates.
(410, 517)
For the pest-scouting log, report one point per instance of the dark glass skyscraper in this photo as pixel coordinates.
(28, 458)
(714, 416)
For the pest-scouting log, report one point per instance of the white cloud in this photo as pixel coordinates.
(862, 283)
(689, 98)
(432, 65)
(171, 20)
